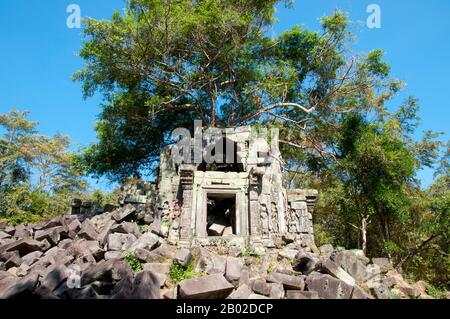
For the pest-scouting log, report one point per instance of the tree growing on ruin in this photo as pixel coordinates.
(162, 64)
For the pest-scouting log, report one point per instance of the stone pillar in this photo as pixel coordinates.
(254, 207)
(187, 180)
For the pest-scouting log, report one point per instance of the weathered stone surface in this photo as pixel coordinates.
(74, 226)
(289, 282)
(331, 268)
(123, 289)
(4, 235)
(276, 291)
(6, 279)
(207, 287)
(285, 269)
(204, 261)
(420, 288)
(21, 288)
(13, 261)
(23, 270)
(183, 256)
(233, 268)
(228, 231)
(63, 244)
(98, 272)
(326, 250)
(146, 256)
(53, 235)
(216, 230)
(22, 232)
(88, 231)
(13, 271)
(113, 255)
(406, 289)
(126, 228)
(24, 246)
(328, 287)
(305, 262)
(54, 278)
(261, 287)
(95, 249)
(169, 294)
(49, 224)
(86, 293)
(124, 212)
(161, 279)
(146, 286)
(359, 293)
(105, 231)
(352, 263)
(245, 277)
(288, 253)
(243, 292)
(384, 264)
(10, 230)
(79, 249)
(297, 294)
(381, 292)
(121, 269)
(120, 242)
(157, 268)
(218, 266)
(147, 241)
(164, 250)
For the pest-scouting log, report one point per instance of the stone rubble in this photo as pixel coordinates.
(82, 257)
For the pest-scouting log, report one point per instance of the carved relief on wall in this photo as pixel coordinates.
(264, 221)
(274, 225)
(292, 221)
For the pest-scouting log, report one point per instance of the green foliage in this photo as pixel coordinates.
(101, 198)
(38, 174)
(134, 262)
(436, 293)
(179, 272)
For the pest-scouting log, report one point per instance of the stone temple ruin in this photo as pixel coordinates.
(241, 202)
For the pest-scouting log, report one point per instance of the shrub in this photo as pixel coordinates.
(178, 272)
(134, 262)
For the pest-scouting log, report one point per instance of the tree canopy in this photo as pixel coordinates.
(162, 64)
(38, 173)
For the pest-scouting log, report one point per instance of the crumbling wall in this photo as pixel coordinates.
(265, 211)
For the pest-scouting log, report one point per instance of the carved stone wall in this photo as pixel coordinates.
(265, 210)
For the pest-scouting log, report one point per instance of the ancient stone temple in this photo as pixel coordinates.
(239, 197)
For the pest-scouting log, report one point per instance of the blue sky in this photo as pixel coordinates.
(39, 55)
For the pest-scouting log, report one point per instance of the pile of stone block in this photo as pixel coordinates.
(76, 257)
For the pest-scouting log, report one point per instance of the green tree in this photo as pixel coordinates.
(162, 64)
(38, 174)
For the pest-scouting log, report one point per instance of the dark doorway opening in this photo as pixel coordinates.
(221, 214)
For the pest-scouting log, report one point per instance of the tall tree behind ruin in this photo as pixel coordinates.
(162, 64)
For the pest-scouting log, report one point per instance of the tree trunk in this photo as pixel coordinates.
(364, 223)
(407, 259)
